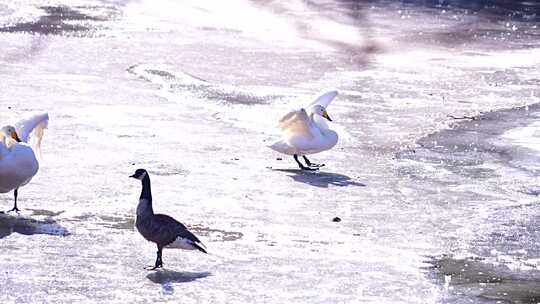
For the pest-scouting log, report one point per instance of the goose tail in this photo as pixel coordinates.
(200, 246)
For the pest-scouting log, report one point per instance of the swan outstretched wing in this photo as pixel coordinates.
(27, 127)
(325, 98)
(297, 122)
(30, 130)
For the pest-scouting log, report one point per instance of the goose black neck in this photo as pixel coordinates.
(146, 192)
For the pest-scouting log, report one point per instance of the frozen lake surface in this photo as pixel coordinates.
(435, 177)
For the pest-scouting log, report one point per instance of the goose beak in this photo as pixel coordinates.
(325, 115)
(133, 176)
(15, 136)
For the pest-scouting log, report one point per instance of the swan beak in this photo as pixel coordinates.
(325, 115)
(15, 136)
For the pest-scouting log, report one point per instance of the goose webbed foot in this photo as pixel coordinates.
(309, 168)
(159, 262)
(154, 267)
(310, 164)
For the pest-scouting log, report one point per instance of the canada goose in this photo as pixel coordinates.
(161, 229)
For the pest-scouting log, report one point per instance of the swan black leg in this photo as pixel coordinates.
(310, 164)
(15, 194)
(302, 166)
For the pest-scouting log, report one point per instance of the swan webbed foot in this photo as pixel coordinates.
(302, 166)
(310, 164)
(14, 209)
(15, 195)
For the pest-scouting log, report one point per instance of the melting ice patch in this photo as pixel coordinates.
(179, 85)
(528, 136)
(256, 108)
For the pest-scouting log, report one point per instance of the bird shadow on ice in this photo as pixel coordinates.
(320, 179)
(11, 222)
(166, 278)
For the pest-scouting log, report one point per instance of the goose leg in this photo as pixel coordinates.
(15, 194)
(310, 164)
(159, 262)
(302, 166)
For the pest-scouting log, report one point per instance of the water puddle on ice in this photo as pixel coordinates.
(490, 163)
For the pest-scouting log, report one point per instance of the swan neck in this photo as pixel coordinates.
(312, 118)
(323, 126)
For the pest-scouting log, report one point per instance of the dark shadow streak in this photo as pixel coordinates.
(10, 223)
(495, 10)
(320, 179)
(56, 21)
(167, 277)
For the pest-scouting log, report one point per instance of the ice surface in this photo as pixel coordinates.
(192, 91)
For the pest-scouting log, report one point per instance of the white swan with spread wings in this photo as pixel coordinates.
(304, 131)
(19, 145)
